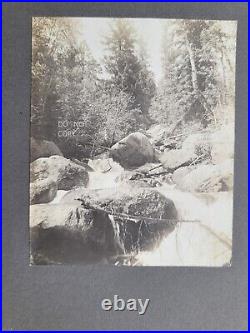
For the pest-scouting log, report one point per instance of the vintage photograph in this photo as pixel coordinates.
(132, 141)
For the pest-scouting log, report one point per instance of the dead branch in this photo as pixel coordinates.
(197, 159)
(133, 218)
(156, 167)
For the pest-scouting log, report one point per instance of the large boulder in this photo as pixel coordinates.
(142, 216)
(209, 178)
(70, 234)
(62, 171)
(133, 151)
(42, 191)
(43, 148)
(88, 227)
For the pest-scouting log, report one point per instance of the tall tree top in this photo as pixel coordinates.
(122, 36)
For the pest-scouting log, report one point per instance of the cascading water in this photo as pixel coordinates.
(203, 235)
(101, 179)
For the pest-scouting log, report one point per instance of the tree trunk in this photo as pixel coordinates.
(197, 92)
(224, 93)
(193, 66)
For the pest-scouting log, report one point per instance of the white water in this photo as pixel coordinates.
(58, 197)
(206, 242)
(99, 180)
(104, 180)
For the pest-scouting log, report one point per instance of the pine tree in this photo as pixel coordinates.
(192, 83)
(50, 45)
(128, 73)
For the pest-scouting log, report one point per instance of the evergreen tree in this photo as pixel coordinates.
(192, 82)
(64, 82)
(128, 73)
(66, 87)
(50, 46)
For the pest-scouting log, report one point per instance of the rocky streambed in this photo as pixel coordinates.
(135, 207)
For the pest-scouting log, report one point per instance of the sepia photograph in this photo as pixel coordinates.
(132, 141)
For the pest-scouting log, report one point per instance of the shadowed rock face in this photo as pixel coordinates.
(133, 151)
(70, 233)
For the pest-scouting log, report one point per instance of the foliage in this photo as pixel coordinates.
(195, 58)
(85, 109)
(67, 89)
(128, 71)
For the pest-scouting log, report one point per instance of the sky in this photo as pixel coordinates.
(92, 30)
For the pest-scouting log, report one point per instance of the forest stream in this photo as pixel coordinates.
(132, 142)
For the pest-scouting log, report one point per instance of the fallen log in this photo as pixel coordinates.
(134, 218)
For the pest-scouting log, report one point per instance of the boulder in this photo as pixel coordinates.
(42, 191)
(99, 225)
(43, 148)
(209, 178)
(137, 213)
(133, 151)
(70, 234)
(62, 171)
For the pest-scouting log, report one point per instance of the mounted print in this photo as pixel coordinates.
(132, 141)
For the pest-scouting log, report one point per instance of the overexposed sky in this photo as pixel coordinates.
(93, 30)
